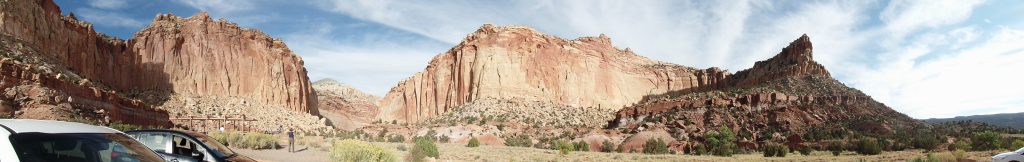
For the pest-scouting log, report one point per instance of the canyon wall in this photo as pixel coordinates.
(522, 65)
(173, 56)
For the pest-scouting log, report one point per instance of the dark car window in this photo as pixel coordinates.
(224, 151)
(84, 147)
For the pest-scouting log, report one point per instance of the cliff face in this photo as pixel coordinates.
(519, 64)
(788, 94)
(346, 107)
(173, 56)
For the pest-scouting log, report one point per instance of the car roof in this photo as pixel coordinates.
(190, 133)
(51, 126)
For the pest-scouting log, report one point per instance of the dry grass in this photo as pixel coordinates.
(457, 152)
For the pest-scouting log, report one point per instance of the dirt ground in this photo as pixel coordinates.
(457, 152)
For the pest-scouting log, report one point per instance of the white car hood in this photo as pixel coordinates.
(1003, 155)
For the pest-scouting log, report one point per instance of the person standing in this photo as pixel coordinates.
(291, 140)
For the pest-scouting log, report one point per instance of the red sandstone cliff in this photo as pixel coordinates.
(173, 56)
(519, 64)
(346, 107)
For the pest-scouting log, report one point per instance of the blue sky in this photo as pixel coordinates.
(925, 58)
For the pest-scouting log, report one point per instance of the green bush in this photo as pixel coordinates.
(125, 127)
(422, 149)
(620, 148)
(868, 146)
(721, 142)
(805, 150)
(962, 144)
(987, 140)
(396, 138)
(655, 146)
(607, 146)
(700, 149)
(581, 146)
(775, 150)
(1017, 144)
(246, 140)
(564, 147)
(473, 142)
(355, 150)
(836, 147)
(519, 141)
(257, 141)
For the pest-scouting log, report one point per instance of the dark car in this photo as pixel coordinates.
(185, 146)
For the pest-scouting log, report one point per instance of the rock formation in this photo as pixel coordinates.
(788, 93)
(519, 64)
(173, 56)
(346, 107)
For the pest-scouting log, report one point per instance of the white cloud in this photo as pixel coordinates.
(108, 18)
(219, 7)
(975, 80)
(107, 4)
(372, 68)
(904, 16)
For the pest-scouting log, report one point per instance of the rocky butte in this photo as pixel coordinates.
(183, 66)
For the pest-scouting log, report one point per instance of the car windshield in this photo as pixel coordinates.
(213, 144)
(85, 147)
(1021, 150)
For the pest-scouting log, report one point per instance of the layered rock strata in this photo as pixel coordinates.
(173, 56)
(786, 94)
(519, 64)
(346, 107)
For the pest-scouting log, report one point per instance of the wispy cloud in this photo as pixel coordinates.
(108, 18)
(108, 4)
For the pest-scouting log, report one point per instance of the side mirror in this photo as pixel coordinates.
(197, 155)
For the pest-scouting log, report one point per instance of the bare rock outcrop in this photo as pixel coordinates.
(788, 93)
(346, 107)
(520, 64)
(173, 56)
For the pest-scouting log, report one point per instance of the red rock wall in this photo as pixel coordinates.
(520, 64)
(189, 56)
(118, 108)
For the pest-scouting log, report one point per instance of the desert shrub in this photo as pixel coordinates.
(655, 146)
(962, 144)
(444, 139)
(224, 138)
(422, 149)
(380, 135)
(700, 149)
(355, 150)
(581, 146)
(987, 140)
(257, 141)
(868, 146)
(607, 146)
(519, 141)
(721, 142)
(926, 141)
(960, 154)
(563, 147)
(775, 150)
(402, 148)
(124, 127)
(1017, 144)
(805, 151)
(473, 142)
(620, 148)
(836, 147)
(396, 138)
